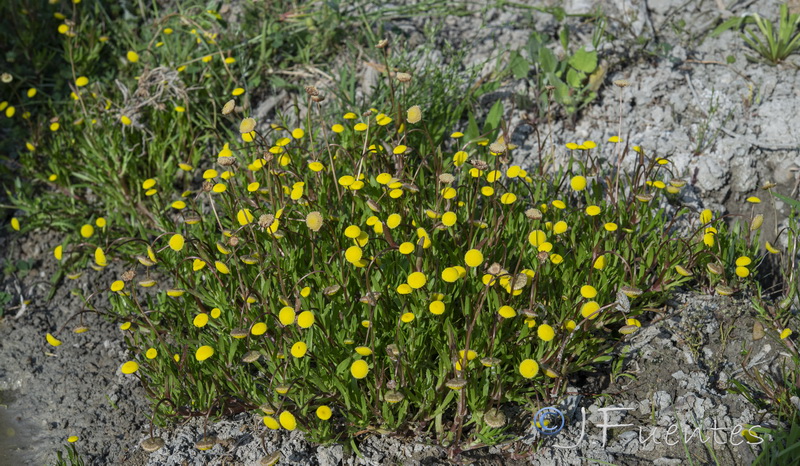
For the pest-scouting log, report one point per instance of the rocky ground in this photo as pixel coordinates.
(727, 128)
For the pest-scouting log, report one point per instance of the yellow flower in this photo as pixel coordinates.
(590, 310)
(600, 263)
(537, 238)
(436, 307)
(87, 231)
(176, 242)
(417, 280)
(705, 216)
(753, 200)
(769, 247)
(406, 248)
(473, 258)
(593, 210)
(58, 252)
(118, 285)
(507, 312)
(151, 353)
(129, 367)
(53, 341)
(236, 92)
(100, 257)
(414, 114)
(578, 183)
(82, 81)
(299, 349)
(352, 231)
(132, 56)
(200, 320)
(125, 120)
(353, 254)
(324, 412)
(244, 217)
(271, 423)
(288, 420)
(786, 333)
(508, 198)
(221, 267)
(407, 317)
(545, 332)
(305, 319)
(588, 291)
(359, 369)
(528, 368)
(560, 227)
(742, 272)
(610, 226)
(204, 352)
(286, 315)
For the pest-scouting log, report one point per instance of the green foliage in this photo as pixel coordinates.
(773, 44)
(571, 81)
(775, 390)
(780, 445)
(369, 260)
(70, 458)
(365, 270)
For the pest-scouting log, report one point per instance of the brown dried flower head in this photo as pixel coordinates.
(383, 43)
(479, 164)
(393, 397)
(494, 418)
(497, 147)
(533, 214)
(266, 220)
(312, 91)
(403, 77)
(446, 178)
(151, 444)
(128, 275)
(226, 161)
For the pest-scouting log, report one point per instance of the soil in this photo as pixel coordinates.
(726, 128)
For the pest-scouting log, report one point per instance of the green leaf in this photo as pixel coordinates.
(563, 36)
(494, 116)
(547, 60)
(584, 61)
(732, 23)
(519, 65)
(472, 131)
(575, 78)
(793, 203)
